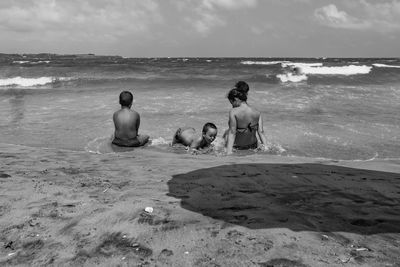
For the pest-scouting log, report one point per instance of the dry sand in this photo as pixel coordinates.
(65, 208)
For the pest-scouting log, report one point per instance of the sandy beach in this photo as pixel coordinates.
(319, 79)
(66, 208)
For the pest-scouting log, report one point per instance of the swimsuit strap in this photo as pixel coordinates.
(249, 127)
(253, 127)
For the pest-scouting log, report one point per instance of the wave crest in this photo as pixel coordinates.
(263, 62)
(318, 68)
(300, 64)
(30, 82)
(378, 65)
(289, 77)
(31, 62)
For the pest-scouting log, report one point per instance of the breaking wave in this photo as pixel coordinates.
(385, 66)
(31, 62)
(289, 77)
(318, 68)
(300, 64)
(29, 82)
(264, 62)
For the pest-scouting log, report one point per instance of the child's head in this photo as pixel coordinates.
(209, 132)
(125, 99)
(242, 86)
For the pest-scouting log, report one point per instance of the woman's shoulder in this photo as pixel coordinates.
(254, 110)
(234, 110)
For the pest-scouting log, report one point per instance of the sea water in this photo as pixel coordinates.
(344, 109)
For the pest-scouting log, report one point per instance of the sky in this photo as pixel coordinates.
(202, 28)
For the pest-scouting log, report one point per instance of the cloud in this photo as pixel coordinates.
(302, 1)
(262, 29)
(380, 17)
(112, 20)
(80, 19)
(384, 16)
(209, 14)
(206, 23)
(229, 4)
(330, 16)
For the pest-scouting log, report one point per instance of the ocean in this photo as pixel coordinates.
(339, 109)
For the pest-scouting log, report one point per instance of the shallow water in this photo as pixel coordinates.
(335, 116)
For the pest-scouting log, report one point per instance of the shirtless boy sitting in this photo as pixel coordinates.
(188, 137)
(126, 122)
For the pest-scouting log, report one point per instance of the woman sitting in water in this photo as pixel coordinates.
(245, 123)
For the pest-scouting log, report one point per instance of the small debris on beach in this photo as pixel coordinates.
(148, 209)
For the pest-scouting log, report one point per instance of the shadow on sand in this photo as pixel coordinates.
(301, 197)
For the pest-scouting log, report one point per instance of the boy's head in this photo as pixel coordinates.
(209, 132)
(125, 99)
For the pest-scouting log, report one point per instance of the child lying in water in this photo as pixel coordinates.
(187, 136)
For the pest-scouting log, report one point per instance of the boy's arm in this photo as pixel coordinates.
(137, 123)
(231, 132)
(114, 118)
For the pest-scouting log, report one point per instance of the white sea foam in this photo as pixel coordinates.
(343, 70)
(41, 61)
(21, 61)
(100, 145)
(273, 148)
(159, 141)
(317, 68)
(300, 64)
(289, 77)
(385, 66)
(30, 62)
(263, 62)
(27, 82)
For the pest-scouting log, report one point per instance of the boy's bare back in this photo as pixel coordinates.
(126, 122)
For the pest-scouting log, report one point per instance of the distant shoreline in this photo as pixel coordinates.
(92, 55)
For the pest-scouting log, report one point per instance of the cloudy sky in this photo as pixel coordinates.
(214, 28)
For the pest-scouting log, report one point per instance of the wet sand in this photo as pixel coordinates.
(66, 208)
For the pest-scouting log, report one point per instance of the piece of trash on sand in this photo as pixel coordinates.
(362, 249)
(10, 254)
(344, 259)
(148, 209)
(186, 252)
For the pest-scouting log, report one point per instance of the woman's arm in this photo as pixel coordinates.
(260, 131)
(231, 132)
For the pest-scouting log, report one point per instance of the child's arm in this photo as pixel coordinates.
(195, 145)
(200, 146)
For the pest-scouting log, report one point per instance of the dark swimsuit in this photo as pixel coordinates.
(246, 137)
(129, 143)
(134, 142)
